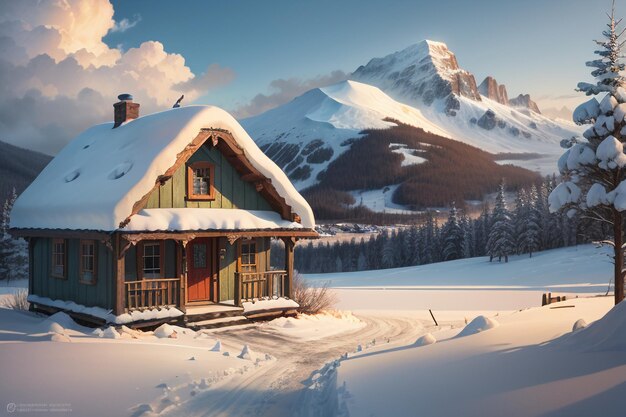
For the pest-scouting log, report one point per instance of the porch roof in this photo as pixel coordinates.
(190, 219)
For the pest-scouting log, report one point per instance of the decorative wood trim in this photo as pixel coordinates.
(94, 280)
(65, 258)
(107, 243)
(233, 238)
(189, 179)
(187, 236)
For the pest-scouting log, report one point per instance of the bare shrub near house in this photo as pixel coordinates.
(17, 300)
(312, 300)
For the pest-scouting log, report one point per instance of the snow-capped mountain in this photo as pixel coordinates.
(427, 76)
(426, 73)
(306, 134)
(421, 86)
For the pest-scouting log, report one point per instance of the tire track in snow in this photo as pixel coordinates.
(275, 388)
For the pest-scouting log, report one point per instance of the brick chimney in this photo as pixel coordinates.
(125, 109)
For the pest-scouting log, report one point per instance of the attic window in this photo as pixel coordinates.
(200, 181)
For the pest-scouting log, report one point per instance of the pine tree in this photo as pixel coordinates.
(482, 227)
(469, 236)
(427, 237)
(529, 234)
(594, 181)
(13, 252)
(388, 256)
(452, 236)
(520, 216)
(501, 241)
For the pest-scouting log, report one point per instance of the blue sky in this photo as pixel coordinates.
(532, 46)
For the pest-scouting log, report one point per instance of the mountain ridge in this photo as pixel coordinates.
(18, 168)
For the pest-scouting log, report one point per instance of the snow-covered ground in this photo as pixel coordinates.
(529, 364)
(584, 268)
(379, 200)
(53, 364)
(278, 368)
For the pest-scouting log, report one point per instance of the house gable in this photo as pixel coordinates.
(231, 192)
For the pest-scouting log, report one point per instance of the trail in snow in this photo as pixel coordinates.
(274, 389)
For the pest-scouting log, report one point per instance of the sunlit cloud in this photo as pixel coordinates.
(57, 76)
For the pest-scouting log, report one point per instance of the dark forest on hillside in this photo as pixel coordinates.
(454, 171)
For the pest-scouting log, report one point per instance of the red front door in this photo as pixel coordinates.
(202, 269)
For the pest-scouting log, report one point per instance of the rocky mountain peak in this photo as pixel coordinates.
(524, 101)
(494, 91)
(422, 73)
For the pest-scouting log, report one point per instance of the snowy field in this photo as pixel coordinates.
(583, 268)
(286, 367)
(526, 363)
(379, 200)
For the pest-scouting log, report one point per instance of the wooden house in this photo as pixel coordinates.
(161, 217)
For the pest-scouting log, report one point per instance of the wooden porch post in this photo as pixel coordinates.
(31, 263)
(289, 246)
(181, 267)
(120, 275)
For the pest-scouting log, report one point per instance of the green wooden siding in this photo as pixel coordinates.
(101, 294)
(130, 264)
(230, 190)
(228, 266)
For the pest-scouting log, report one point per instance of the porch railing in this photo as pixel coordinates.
(151, 293)
(255, 285)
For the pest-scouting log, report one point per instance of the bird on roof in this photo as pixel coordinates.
(177, 104)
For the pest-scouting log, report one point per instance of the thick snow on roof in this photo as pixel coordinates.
(207, 219)
(93, 183)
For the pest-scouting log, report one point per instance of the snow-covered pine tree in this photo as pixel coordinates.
(530, 240)
(481, 229)
(520, 215)
(5, 242)
(541, 204)
(452, 236)
(414, 245)
(427, 237)
(594, 177)
(468, 237)
(388, 255)
(501, 242)
(13, 252)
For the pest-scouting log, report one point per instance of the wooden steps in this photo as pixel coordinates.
(219, 322)
(210, 312)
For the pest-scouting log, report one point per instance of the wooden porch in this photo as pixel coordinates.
(152, 293)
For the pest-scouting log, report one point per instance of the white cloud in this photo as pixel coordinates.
(284, 90)
(58, 77)
(125, 24)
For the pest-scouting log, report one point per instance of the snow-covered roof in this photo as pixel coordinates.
(94, 182)
(207, 219)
